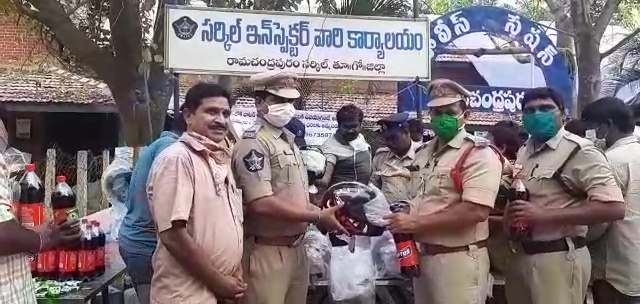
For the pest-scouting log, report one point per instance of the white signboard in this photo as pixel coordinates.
(244, 42)
(318, 125)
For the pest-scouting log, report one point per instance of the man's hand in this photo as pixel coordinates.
(230, 287)
(402, 223)
(328, 220)
(54, 233)
(523, 211)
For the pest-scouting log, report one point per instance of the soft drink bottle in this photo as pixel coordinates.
(87, 254)
(407, 251)
(63, 203)
(519, 230)
(100, 242)
(30, 208)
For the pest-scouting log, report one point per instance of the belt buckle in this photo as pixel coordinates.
(298, 240)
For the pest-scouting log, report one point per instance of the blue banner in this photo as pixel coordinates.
(486, 19)
(485, 99)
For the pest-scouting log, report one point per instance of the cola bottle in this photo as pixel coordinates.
(87, 254)
(30, 209)
(406, 248)
(99, 243)
(519, 230)
(63, 203)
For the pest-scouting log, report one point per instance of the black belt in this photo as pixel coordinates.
(538, 247)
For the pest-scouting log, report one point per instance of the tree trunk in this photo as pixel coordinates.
(588, 57)
(160, 90)
(564, 41)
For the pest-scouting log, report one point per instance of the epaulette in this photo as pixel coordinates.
(251, 132)
(382, 149)
(479, 142)
(580, 141)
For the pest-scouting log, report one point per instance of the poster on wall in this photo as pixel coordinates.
(246, 42)
(318, 125)
(23, 128)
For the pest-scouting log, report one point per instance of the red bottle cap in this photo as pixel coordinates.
(84, 221)
(30, 167)
(61, 179)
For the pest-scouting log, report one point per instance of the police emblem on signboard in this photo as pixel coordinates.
(185, 28)
(254, 161)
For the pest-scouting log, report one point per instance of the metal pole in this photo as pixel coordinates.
(176, 94)
(418, 94)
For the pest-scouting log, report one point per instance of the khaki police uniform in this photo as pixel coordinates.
(267, 162)
(389, 169)
(454, 264)
(555, 266)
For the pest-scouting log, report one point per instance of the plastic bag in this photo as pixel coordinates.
(115, 185)
(318, 250)
(377, 208)
(384, 256)
(352, 276)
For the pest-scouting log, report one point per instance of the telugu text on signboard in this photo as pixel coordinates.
(240, 42)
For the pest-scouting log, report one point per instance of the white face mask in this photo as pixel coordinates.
(280, 114)
(598, 142)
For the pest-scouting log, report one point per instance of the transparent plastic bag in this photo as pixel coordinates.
(318, 250)
(377, 208)
(115, 185)
(384, 256)
(352, 275)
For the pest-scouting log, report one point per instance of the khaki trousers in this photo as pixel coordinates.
(453, 278)
(275, 275)
(557, 277)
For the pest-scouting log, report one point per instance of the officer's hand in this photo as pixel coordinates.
(402, 223)
(230, 287)
(328, 220)
(523, 211)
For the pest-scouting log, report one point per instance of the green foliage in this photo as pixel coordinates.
(441, 7)
(532, 9)
(389, 8)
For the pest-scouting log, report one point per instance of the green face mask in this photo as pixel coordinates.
(445, 126)
(541, 125)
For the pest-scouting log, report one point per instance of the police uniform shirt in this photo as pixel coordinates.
(587, 171)
(389, 173)
(267, 162)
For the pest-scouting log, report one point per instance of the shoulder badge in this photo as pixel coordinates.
(252, 132)
(582, 142)
(382, 150)
(253, 161)
(479, 142)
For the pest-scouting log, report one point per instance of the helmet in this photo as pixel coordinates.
(315, 162)
(361, 203)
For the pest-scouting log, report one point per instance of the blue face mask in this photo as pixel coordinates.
(541, 125)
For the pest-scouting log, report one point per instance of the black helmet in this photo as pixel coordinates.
(356, 215)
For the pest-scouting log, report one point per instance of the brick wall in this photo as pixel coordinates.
(18, 41)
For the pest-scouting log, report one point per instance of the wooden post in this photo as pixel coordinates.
(81, 196)
(49, 181)
(104, 204)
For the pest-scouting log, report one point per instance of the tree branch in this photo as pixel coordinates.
(620, 44)
(481, 51)
(85, 50)
(602, 21)
(557, 10)
(126, 37)
(27, 11)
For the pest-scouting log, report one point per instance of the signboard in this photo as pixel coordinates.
(502, 23)
(246, 42)
(318, 125)
(484, 99)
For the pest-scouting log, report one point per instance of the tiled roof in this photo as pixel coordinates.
(51, 85)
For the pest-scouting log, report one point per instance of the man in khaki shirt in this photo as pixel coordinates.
(197, 208)
(269, 168)
(570, 185)
(449, 214)
(616, 269)
(390, 162)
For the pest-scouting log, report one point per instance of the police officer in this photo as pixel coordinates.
(269, 169)
(390, 162)
(449, 214)
(571, 185)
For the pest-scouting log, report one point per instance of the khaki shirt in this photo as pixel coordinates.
(588, 172)
(616, 256)
(481, 175)
(388, 173)
(181, 187)
(267, 162)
